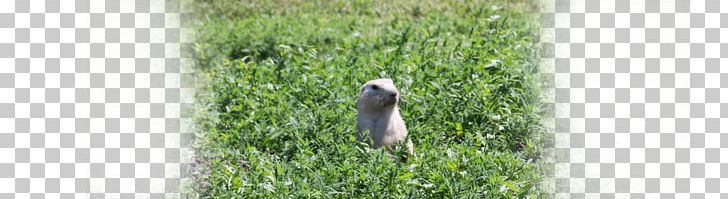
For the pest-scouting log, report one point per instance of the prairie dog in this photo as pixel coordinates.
(377, 113)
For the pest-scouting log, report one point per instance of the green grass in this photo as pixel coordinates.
(277, 117)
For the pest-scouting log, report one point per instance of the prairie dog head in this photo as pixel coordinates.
(378, 94)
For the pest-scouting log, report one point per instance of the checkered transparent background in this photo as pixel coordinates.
(639, 97)
(93, 99)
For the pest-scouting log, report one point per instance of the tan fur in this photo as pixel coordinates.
(379, 115)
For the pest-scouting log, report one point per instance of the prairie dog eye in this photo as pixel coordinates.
(375, 87)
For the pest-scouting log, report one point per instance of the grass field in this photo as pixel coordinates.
(277, 117)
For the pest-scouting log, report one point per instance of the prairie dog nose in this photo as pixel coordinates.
(393, 94)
